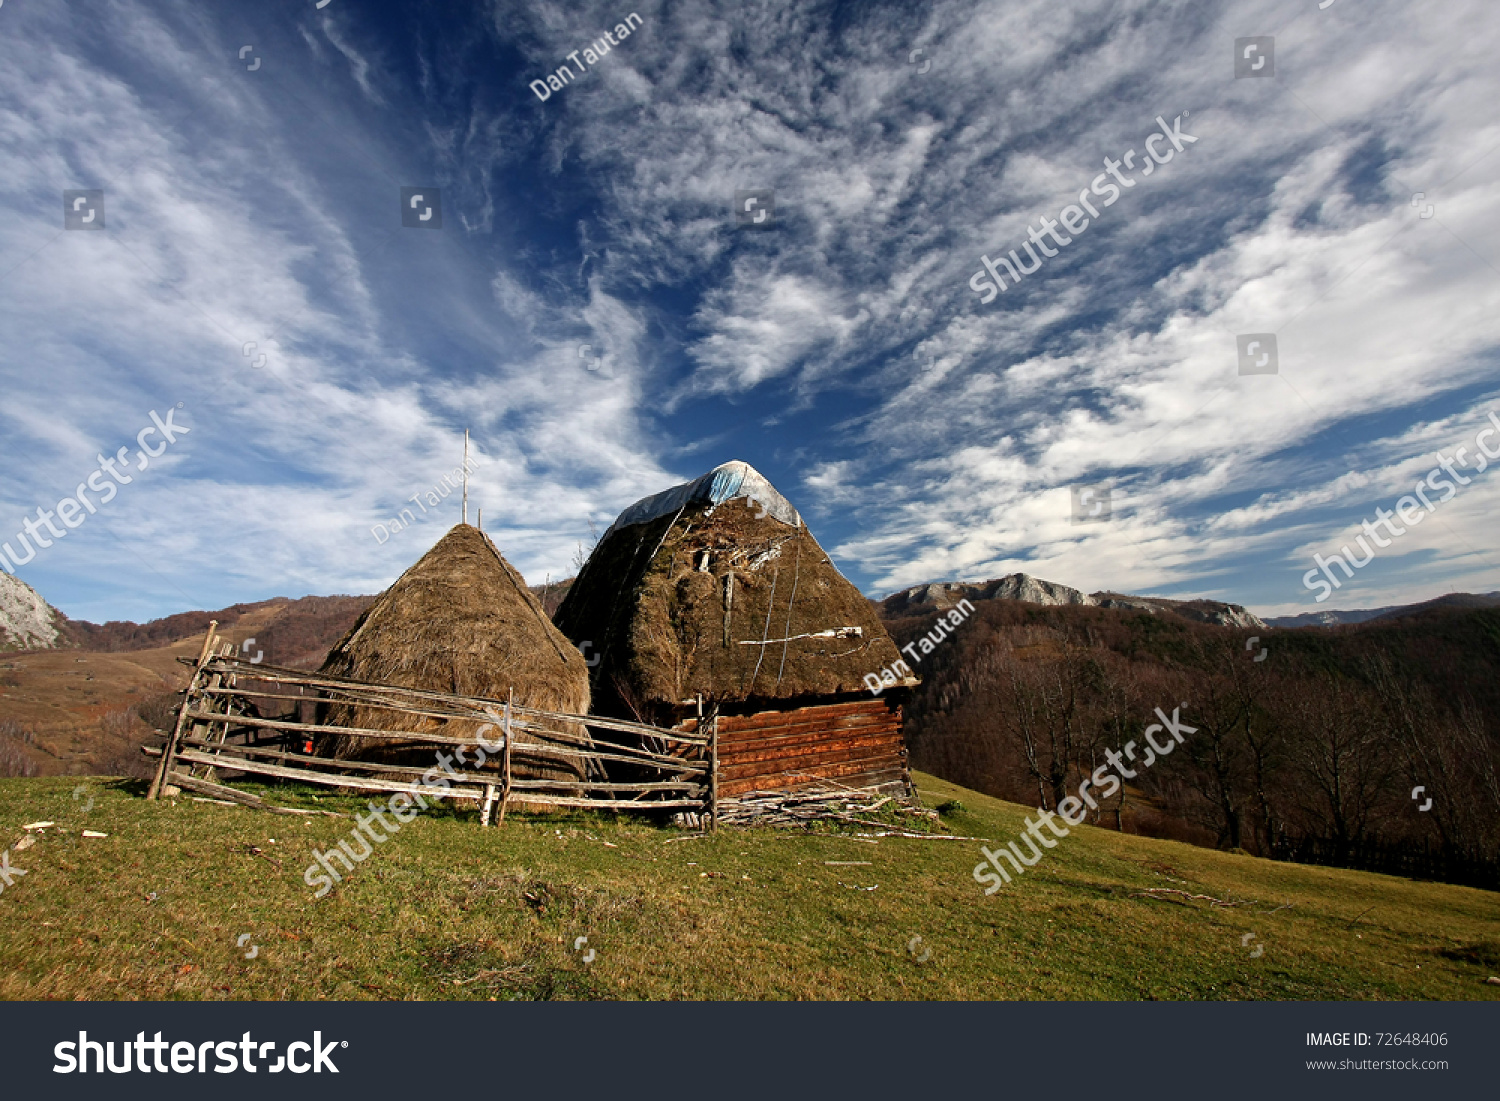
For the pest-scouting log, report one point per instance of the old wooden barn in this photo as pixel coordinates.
(712, 599)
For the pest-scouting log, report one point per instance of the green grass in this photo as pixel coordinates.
(447, 910)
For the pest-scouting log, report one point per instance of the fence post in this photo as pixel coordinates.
(505, 759)
(169, 751)
(713, 774)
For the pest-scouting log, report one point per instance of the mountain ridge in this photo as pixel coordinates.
(1338, 618)
(27, 622)
(940, 596)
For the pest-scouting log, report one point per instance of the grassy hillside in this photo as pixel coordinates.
(87, 710)
(447, 910)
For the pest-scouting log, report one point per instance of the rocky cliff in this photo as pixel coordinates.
(27, 622)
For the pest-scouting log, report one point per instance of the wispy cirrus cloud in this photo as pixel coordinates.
(924, 434)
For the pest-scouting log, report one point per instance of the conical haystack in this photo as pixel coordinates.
(716, 587)
(460, 621)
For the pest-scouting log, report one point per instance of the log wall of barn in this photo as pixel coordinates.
(857, 743)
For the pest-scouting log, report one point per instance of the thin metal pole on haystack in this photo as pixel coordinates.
(466, 475)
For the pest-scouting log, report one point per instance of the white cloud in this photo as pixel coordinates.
(948, 431)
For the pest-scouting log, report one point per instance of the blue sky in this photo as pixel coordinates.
(924, 435)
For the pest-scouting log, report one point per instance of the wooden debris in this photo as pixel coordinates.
(230, 797)
(1158, 892)
(798, 806)
(256, 850)
(823, 802)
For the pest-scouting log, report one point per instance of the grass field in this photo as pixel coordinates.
(447, 910)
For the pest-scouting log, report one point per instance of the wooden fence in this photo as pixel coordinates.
(219, 727)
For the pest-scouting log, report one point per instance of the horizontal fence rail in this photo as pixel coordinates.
(619, 771)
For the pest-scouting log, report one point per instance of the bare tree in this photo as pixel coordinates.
(580, 553)
(1339, 756)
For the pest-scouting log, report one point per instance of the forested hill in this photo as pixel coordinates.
(1310, 752)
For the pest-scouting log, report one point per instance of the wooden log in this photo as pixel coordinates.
(358, 783)
(626, 754)
(847, 707)
(252, 694)
(736, 769)
(232, 795)
(607, 804)
(332, 762)
(810, 762)
(477, 705)
(774, 746)
(602, 785)
(509, 735)
(535, 729)
(857, 776)
(831, 712)
(745, 780)
(769, 735)
(796, 723)
(866, 778)
(811, 748)
(520, 786)
(218, 791)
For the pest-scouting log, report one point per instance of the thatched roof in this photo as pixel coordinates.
(460, 621)
(717, 587)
